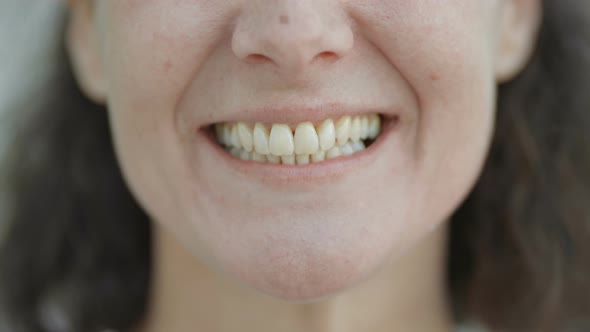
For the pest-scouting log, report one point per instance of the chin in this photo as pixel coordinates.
(301, 268)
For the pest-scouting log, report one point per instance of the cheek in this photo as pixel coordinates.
(456, 97)
(149, 62)
(443, 50)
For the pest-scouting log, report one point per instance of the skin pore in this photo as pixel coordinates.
(355, 244)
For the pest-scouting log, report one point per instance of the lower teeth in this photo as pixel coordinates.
(349, 148)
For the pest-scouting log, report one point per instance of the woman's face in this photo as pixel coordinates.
(170, 70)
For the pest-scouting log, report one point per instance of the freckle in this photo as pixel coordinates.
(434, 77)
(284, 19)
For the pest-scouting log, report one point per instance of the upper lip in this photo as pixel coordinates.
(300, 113)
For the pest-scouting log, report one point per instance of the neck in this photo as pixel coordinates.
(406, 295)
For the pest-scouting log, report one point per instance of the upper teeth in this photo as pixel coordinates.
(304, 144)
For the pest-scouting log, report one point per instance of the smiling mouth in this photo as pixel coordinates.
(299, 144)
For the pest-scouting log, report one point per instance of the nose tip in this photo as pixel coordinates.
(292, 36)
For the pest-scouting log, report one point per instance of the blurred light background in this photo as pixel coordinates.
(28, 35)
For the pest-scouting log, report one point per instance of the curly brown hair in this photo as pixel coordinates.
(76, 252)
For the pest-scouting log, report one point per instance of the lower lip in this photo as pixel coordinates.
(325, 171)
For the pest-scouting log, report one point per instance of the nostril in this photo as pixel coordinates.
(327, 56)
(258, 58)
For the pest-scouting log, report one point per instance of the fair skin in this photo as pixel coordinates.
(356, 243)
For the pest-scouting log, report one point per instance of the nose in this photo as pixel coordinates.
(291, 34)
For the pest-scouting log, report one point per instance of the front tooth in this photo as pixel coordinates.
(318, 156)
(333, 153)
(234, 138)
(343, 130)
(306, 139)
(346, 149)
(281, 140)
(288, 160)
(260, 137)
(364, 127)
(358, 146)
(258, 157)
(245, 135)
(374, 126)
(355, 129)
(327, 134)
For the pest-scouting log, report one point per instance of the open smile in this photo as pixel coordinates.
(300, 143)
